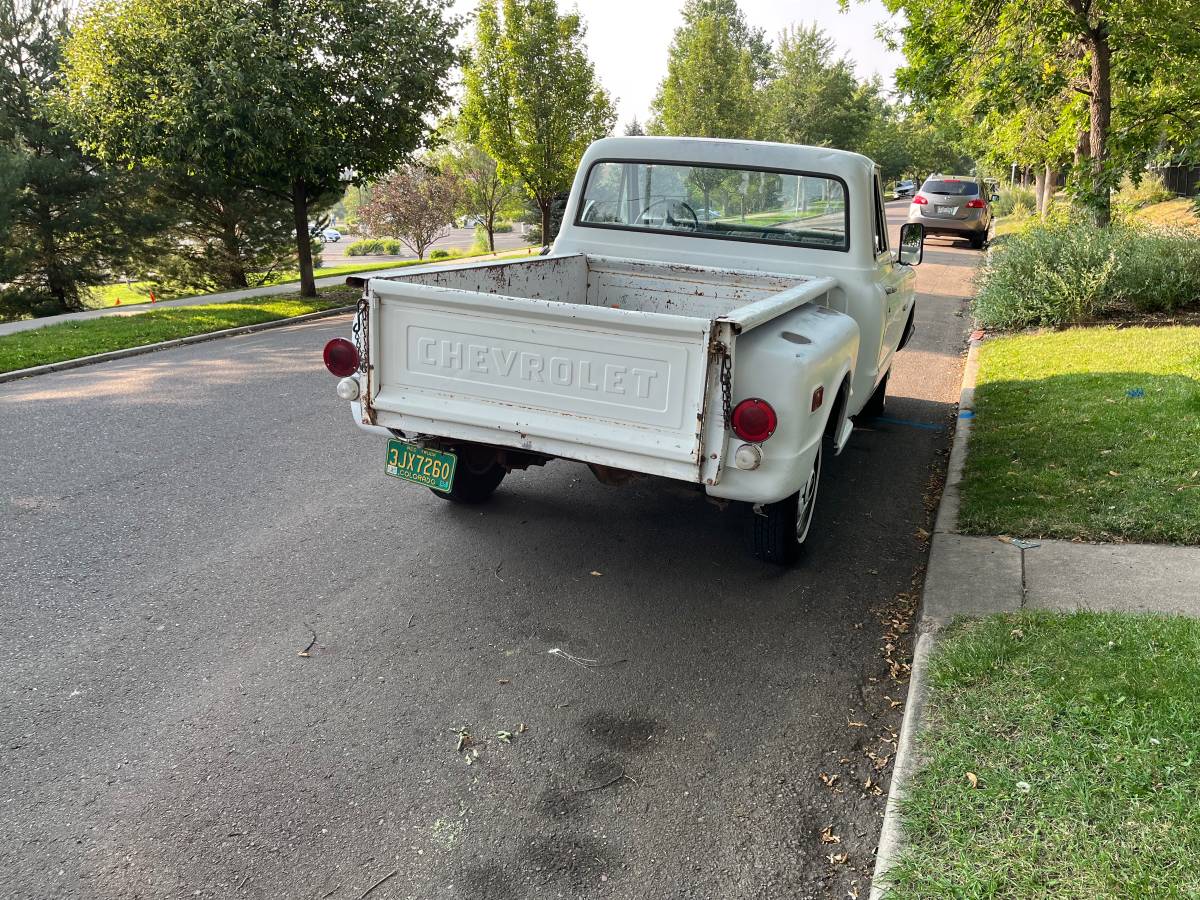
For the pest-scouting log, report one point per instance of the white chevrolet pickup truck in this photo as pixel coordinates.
(712, 311)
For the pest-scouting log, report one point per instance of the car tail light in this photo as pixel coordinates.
(341, 357)
(919, 200)
(977, 203)
(754, 420)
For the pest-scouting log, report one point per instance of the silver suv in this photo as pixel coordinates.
(956, 205)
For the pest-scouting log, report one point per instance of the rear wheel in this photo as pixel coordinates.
(875, 404)
(779, 530)
(978, 240)
(473, 483)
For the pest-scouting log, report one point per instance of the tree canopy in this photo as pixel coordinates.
(285, 96)
(532, 97)
(66, 221)
(1111, 79)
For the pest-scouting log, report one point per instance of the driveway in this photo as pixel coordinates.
(242, 662)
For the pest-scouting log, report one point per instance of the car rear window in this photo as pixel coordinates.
(952, 186)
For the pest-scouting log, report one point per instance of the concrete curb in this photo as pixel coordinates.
(167, 345)
(906, 765)
(908, 761)
(947, 514)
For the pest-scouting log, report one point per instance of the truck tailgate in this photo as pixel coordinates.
(616, 387)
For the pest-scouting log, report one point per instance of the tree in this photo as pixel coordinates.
(1131, 61)
(532, 98)
(633, 128)
(415, 203)
(218, 235)
(484, 193)
(286, 97)
(66, 221)
(709, 90)
(813, 97)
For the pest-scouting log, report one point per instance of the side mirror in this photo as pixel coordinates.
(912, 243)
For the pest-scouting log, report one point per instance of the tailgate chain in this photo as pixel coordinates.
(726, 383)
(361, 332)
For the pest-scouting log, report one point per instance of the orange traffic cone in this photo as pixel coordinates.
(118, 303)
(153, 299)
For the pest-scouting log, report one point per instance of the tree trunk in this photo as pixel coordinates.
(490, 224)
(1051, 184)
(235, 269)
(1100, 111)
(544, 209)
(308, 284)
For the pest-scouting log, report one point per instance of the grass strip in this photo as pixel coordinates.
(72, 340)
(1087, 433)
(1062, 760)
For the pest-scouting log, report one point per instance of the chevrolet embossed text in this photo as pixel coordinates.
(581, 373)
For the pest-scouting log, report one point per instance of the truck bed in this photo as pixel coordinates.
(604, 360)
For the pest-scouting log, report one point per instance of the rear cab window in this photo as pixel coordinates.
(716, 202)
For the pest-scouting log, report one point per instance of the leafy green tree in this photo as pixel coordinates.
(633, 128)
(1132, 63)
(67, 222)
(747, 37)
(533, 101)
(285, 97)
(812, 96)
(709, 90)
(484, 193)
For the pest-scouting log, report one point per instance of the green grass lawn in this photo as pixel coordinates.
(136, 292)
(1087, 433)
(71, 340)
(1083, 732)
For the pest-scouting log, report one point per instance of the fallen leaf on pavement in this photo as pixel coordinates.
(828, 837)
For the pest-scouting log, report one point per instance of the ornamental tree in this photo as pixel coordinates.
(415, 203)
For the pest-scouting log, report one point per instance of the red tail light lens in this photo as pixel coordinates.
(919, 200)
(754, 420)
(976, 204)
(341, 357)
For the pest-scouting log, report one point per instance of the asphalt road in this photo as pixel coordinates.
(180, 526)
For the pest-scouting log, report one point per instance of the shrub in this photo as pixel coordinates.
(1015, 201)
(502, 228)
(1148, 190)
(1062, 273)
(440, 254)
(374, 247)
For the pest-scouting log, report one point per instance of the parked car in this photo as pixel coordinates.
(729, 355)
(905, 188)
(954, 205)
(330, 236)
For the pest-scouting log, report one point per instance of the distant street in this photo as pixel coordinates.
(241, 661)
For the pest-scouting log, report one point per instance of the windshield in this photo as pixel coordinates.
(717, 202)
(951, 186)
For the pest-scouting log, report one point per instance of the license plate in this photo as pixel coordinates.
(422, 465)
(948, 210)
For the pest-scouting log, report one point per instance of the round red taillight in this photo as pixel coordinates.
(754, 420)
(341, 357)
